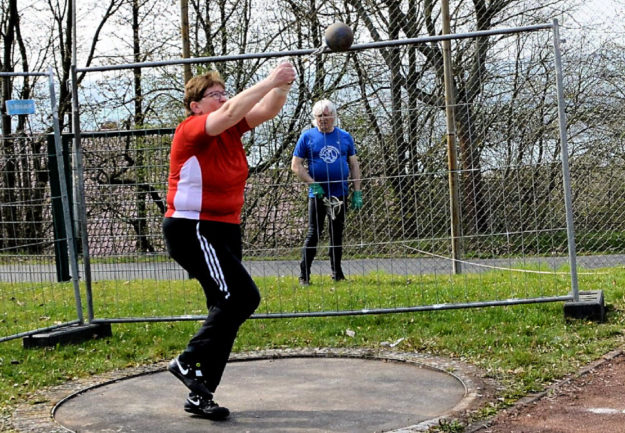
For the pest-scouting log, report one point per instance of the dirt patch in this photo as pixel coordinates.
(591, 402)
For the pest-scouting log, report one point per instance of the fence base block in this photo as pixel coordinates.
(68, 335)
(590, 306)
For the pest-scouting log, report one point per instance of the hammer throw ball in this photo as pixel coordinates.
(339, 37)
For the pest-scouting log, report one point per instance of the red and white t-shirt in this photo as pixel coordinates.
(207, 174)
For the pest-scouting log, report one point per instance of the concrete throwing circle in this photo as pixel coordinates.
(294, 394)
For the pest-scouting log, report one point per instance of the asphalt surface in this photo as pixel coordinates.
(286, 395)
(158, 270)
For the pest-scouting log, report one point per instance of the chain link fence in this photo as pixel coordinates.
(513, 216)
(397, 250)
(37, 291)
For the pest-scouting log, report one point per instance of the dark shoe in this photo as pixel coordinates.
(338, 276)
(304, 274)
(205, 407)
(190, 376)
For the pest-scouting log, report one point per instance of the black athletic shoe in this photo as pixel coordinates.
(205, 407)
(190, 376)
(338, 276)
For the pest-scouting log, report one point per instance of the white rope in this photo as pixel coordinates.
(333, 206)
(500, 267)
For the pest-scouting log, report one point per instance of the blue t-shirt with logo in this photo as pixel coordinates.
(327, 155)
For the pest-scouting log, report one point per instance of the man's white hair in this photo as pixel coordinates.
(321, 106)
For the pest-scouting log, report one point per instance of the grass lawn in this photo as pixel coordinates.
(524, 347)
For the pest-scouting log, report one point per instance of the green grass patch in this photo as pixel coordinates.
(524, 347)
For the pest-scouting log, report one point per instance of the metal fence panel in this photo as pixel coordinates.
(36, 288)
(37, 254)
(514, 228)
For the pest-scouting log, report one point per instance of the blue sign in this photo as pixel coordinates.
(20, 106)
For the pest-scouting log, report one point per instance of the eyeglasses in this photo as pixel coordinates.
(216, 95)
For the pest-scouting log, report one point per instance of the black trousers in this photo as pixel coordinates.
(211, 252)
(317, 214)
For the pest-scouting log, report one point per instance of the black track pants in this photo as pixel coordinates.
(317, 215)
(211, 252)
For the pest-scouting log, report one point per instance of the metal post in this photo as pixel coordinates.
(452, 153)
(566, 175)
(65, 198)
(75, 186)
(80, 212)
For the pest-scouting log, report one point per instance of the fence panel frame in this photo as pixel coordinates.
(384, 44)
(68, 242)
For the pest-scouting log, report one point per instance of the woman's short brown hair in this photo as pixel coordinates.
(196, 86)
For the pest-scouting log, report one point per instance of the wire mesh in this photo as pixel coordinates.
(30, 241)
(397, 249)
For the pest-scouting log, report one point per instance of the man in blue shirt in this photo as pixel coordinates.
(325, 159)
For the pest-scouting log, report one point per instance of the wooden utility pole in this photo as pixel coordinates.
(184, 29)
(452, 153)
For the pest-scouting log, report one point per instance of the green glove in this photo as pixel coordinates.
(357, 200)
(317, 190)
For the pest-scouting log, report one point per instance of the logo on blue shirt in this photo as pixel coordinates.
(329, 154)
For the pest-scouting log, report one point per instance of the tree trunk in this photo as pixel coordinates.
(474, 212)
(8, 217)
(143, 243)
